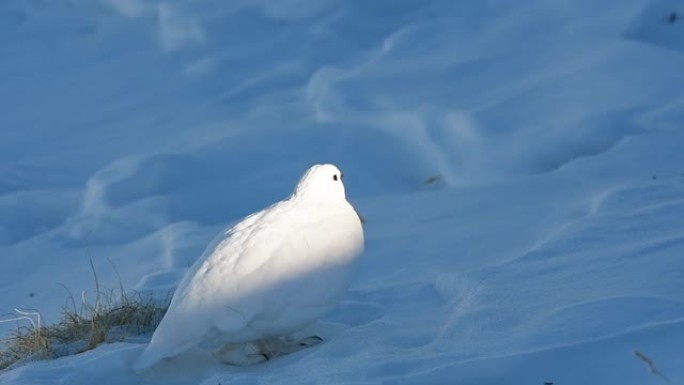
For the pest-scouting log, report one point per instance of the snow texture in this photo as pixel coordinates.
(519, 165)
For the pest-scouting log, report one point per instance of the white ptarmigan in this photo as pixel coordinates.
(273, 273)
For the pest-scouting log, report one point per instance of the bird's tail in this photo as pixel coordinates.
(149, 357)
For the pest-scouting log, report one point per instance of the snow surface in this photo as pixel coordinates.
(547, 246)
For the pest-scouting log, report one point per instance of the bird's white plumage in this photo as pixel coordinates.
(271, 274)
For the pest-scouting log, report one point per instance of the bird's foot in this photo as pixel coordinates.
(251, 353)
(287, 345)
(310, 341)
(241, 354)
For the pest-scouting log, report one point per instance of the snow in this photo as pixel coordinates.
(519, 165)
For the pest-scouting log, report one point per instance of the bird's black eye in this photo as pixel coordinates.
(335, 177)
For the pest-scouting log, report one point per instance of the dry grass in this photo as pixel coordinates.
(112, 317)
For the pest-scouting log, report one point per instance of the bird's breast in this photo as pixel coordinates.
(316, 263)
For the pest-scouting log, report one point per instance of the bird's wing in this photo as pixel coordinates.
(189, 319)
(244, 277)
(217, 253)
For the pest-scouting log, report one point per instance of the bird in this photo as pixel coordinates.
(273, 273)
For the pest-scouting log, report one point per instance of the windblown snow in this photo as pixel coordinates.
(519, 166)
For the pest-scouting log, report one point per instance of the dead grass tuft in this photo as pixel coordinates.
(111, 317)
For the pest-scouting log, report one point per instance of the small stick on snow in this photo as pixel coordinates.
(651, 366)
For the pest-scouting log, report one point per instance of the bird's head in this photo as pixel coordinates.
(321, 182)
